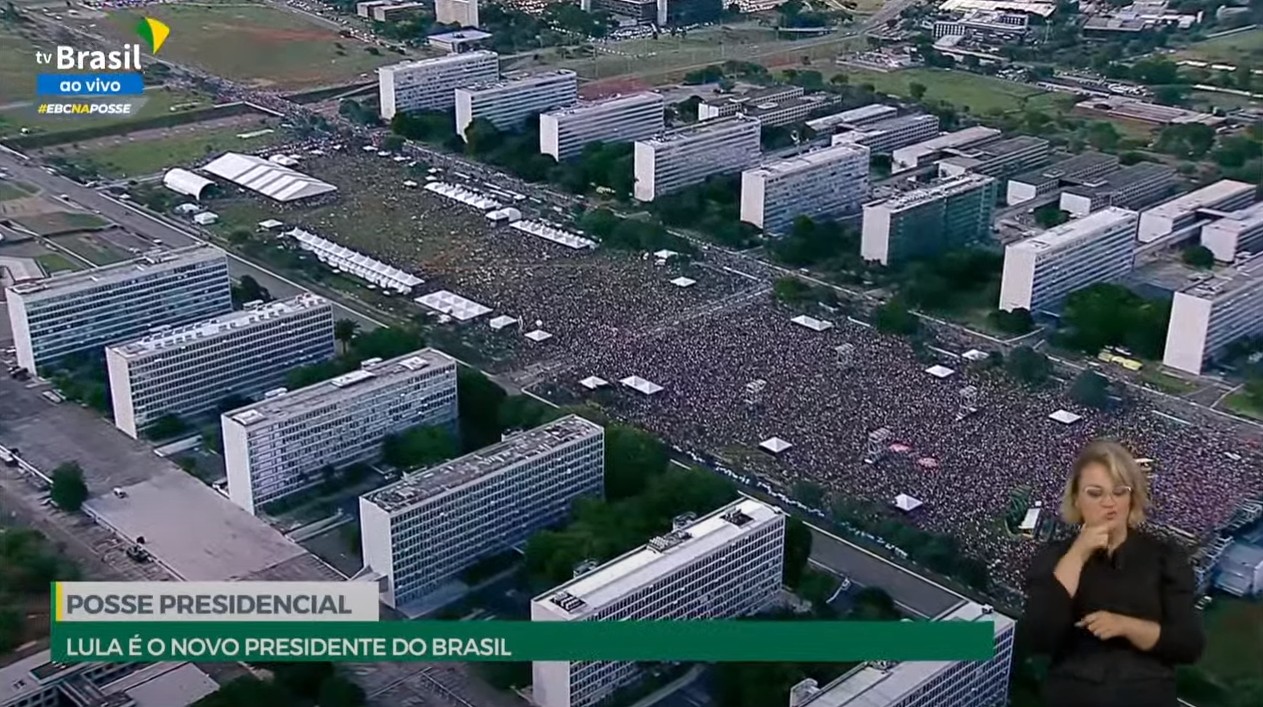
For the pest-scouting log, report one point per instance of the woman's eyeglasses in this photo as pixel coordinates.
(1096, 493)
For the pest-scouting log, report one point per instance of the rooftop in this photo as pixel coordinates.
(618, 101)
(945, 188)
(958, 139)
(542, 78)
(532, 443)
(1059, 170)
(464, 35)
(267, 177)
(1134, 109)
(1198, 199)
(809, 160)
(372, 374)
(1076, 229)
(736, 122)
(662, 555)
(1001, 148)
(221, 325)
(461, 58)
(25, 676)
(1229, 280)
(118, 272)
(164, 685)
(771, 106)
(758, 94)
(1243, 219)
(865, 113)
(1139, 172)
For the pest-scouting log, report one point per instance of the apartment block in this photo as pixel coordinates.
(563, 133)
(456, 12)
(913, 156)
(886, 136)
(1236, 233)
(639, 11)
(929, 220)
(279, 446)
(507, 104)
(1000, 159)
(1085, 167)
(81, 312)
(1041, 271)
(730, 105)
(1135, 187)
(827, 183)
(1210, 315)
(786, 112)
(724, 565)
(940, 683)
(680, 158)
(854, 118)
(1186, 213)
(417, 534)
(430, 84)
(189, 370)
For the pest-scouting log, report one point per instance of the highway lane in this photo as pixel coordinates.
(172, 235)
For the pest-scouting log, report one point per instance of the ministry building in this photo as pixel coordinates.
(929, 220)
(430, 84)
(507, 104)
(1210, 315)
(563, 133)
(279, 446)
(681, 158)
(826, 183)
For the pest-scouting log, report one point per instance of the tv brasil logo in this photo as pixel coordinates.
(66, 58)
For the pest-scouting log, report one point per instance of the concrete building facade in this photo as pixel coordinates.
(1085, 167)
(1000, 159)
(732, 104)
(1187, 212)
(726, 564)
(886, 136)
(1210, 315)
(1236, 233)
(1041, 271)
(680, 158)
(509, 103)
(1135, 187)
(189, 370)
(827, 183)
(929, 220)
(279, 446)
(417, 534)
(458, 12)
(81, 312)
(563, 133)
(854, 118)
(913, 156)
(430, 84)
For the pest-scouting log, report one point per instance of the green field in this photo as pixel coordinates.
(973, 93)
(1241, 404)
(141, 157)
(258, 44)
(158, 102)
(56, 262)
(61, 222)
(17, 65)
(14, 190)
(1243, 47)
(1234, 632)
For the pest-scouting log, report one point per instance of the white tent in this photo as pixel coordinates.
(463, 195)
(355, 263)
(502, 321)
(205, 218)
(975, 355)
(1065, 417)
(812, 323)
(270, 225)
(538, 335)
(267, 178)
(940, 371)
(185, 182)
(774, 445)
(593, 382)
(453, 305)
(907, 503)
(684, 282)
(555, 234)
(507, 214)
(665, 254)
(640, 385)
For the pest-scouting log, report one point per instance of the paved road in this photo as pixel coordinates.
(136, 221)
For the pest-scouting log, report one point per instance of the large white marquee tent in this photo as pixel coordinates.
(355, 263)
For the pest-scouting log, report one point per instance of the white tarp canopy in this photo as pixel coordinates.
(684, 282)
(502, 321)
(355, 263)
(205, 218)
(508, 214)
(1065, 417)
(812, 323)
(940, 371)
(975, 355)
(453, 305)
(665, 254)
(593, 382)
(907, 503)
(640, 385)
(555, 234)
(270, 225)
(185, 182)
(463, 195)
(774, 445)
(538, 335)
(267, 178)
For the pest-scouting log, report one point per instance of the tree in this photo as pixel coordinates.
(248, 691)
(916, 90)
(1199, 256)
(1050, 215)
(875, 604)
(632, 457)
(480, 401)
(1254, 390)
(166, 427)
(1029, 366)
(798, 539)
(1016, 322)
(808, 493)
(10, 629)
(419, 446)
(344, 331)
(247, 288)
(1091, 389)
(1103, 136)
(337, 691)
(69, 490)
(1106, 314)
(894, 317)
(392, 143)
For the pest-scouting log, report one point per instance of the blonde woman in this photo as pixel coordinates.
(1113, 607)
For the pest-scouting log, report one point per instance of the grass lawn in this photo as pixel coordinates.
(1234, 632)
(972, 92)
(159, 102)
(17, 65)
(1227, 101)
(60, 222)
(56, 262)
(1242, 47)
(259, 44)
(1165, 382)
(1241, 404)
(14, 190)
(94, 248)
(139, 157)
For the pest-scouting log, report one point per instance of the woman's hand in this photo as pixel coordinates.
(1106, 625)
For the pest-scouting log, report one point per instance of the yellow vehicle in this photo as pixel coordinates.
(1130, 364)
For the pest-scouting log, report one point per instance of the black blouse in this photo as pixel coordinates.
(1146, 578)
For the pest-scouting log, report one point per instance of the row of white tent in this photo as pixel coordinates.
(552, 233)
(355, 263)
(463, 195)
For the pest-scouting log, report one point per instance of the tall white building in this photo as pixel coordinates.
(938, 683)
(1237, 232)
(825, 183)
(680, 158)
(929, 220)
(1208, 316)
(885, 136)
(189, 370)
(458, 12)
(86, 310)
(509, 103)
(279, 446)
(418, 533)
(726, 564)
(563, 133)
(1183, 213)
(1041, 271)
(430, 84)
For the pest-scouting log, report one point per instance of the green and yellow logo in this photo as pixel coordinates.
(153, 32)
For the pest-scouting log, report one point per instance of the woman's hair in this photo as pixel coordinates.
(1122, 468)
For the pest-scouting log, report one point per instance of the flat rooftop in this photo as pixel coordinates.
(539, 79)
(855, 115)
(661, 556)
(999, 148)
(193, 530)
(758, 94)
(810, 160)
(704, 127)
(1074, 230)
(449, 59)
(118, 272)
(619, 101)
(1242, 219)
(871, 685)
(1064, 168)
(1137, 173)
(945, 188)
(371, 375)
(464, 35)
(1229, 279)
(1203, 198)
(25, 676)
(780, 104)
(1134, 109)
(532, 443)
(221, 325)
(164, 685)
(958, 139)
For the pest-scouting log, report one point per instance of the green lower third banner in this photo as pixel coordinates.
(653, 641)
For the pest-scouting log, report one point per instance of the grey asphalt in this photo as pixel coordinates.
(910, 591)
